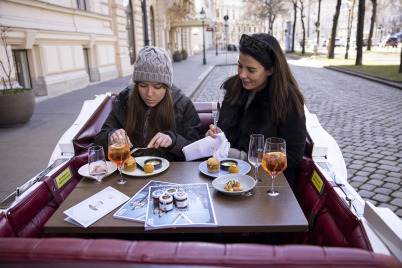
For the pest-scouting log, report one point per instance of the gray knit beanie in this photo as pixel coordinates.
(153, 64)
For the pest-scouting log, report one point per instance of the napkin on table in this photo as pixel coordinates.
(203, 147)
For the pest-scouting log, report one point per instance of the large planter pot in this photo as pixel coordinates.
(185, 55)
(177, 57)
(16, 108)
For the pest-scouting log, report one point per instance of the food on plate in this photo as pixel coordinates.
(130, 164)
(149, 168)
(233, 186)
(226, 164)
(233, 169)
(213, 165)
(157, 163)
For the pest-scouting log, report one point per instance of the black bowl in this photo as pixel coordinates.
(154, 161)
(226, 163)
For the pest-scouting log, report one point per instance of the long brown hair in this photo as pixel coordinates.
(284, 93)
(161, 117)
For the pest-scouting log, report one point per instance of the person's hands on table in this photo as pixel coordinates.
(212, 131)
(160, 140)
(119, 134)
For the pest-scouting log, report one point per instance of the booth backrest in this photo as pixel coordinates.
(85, 137)
(331, 221)
(109, 251)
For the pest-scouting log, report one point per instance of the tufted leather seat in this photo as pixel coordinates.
(113, 252)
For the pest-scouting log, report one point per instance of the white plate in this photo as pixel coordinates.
(84, 171)
(246, 181)
(141, 160)
(244, 168)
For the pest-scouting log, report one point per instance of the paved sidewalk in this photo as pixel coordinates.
(26, 149)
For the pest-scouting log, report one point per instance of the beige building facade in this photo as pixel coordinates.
(63, 45)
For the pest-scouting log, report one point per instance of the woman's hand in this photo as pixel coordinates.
(160, 140)
(212, 131)
(118, 134)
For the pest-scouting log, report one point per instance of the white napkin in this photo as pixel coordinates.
(203, 147)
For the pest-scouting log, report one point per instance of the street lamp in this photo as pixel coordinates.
(204, 61)
(216, 37)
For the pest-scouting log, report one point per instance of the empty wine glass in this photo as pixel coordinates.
(274, 160)
(118, 152)
(96, 162)
(255, 152)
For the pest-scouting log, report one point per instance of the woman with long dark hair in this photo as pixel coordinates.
(263, 98)
(152, 112)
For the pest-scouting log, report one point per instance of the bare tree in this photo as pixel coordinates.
(318, 23)
(265, 9)
(359, 32)
(372, 22)
(333, 33)
(301, 7)
(294, 2)
(350, 23)
(400, 64)
(6, 64)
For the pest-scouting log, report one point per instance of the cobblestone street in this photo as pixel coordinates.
(363, 116)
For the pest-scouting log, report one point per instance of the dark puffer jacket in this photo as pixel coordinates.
(239, 123)
(188, 124)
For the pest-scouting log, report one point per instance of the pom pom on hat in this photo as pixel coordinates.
(153, 64)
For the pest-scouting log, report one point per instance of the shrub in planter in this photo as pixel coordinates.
(17, 104)
(185, 55)
(177, 56)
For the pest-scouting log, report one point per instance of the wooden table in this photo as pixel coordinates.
(256, 213)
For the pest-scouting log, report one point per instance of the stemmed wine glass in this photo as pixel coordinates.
(96, 162)
(118, 152)
(255, 152)
(274, 160)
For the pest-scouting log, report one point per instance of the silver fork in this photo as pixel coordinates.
(136, 149)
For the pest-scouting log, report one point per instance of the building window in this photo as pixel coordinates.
(21, 68)
(81, 5)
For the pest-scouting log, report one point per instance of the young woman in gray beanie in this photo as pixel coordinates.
(152, 111)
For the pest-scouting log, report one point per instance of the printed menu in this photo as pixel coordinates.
(180, 205)
(95, 207)
(136, 208)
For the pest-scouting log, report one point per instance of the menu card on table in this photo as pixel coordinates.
(195, 209)
(95, 207)
(136, 208)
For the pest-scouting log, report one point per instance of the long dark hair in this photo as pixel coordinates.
(284, 93)
(161, 117)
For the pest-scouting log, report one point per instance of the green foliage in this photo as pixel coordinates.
(183, 51)
(176, 52)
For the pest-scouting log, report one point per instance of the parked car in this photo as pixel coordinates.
(391, 41)
(337, 42)
(399, 36)
(232, 47)
(375, 42)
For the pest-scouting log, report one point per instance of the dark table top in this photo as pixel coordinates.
(256, 213)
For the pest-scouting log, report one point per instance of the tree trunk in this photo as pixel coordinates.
(350, 22)
(294, 25)
(303, 27)
(400, 64)
(318, 23)
(372, 24)
(333, 33)
(359, 33)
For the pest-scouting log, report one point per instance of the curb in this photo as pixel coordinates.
(197, 83)
(397, 85)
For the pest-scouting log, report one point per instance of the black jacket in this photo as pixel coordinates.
(238, 124)
(188, 124)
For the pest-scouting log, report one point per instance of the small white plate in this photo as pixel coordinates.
(141, 160)
(84, 171)
(244, 168)
(246, 181)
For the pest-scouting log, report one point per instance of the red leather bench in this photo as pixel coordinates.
(109, 251)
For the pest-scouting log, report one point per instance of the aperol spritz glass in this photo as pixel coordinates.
(118, 153)
(274, 160)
